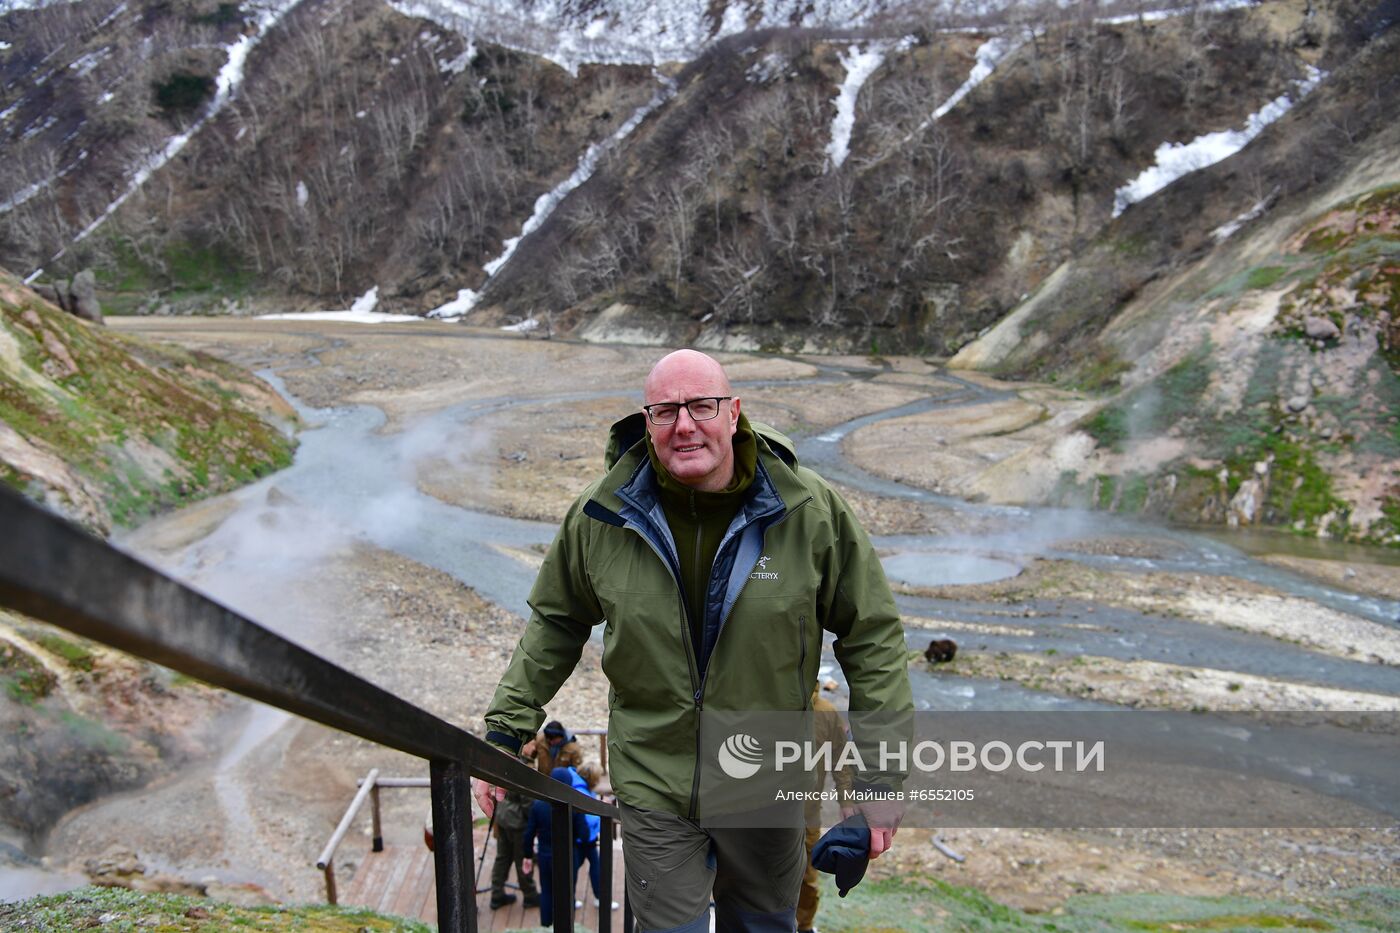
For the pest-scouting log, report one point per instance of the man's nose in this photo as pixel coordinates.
(684, 421)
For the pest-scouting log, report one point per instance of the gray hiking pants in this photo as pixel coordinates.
(674, 867)
(510, 850)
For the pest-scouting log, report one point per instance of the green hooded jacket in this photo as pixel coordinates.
(794, 563)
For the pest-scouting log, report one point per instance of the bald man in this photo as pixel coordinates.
(717, 563)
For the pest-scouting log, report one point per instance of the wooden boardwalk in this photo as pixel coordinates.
(400, 881)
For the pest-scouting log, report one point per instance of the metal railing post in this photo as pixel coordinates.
(562, 830)
(327, 860)
(378, 838)
(452, 846)
(605, 875)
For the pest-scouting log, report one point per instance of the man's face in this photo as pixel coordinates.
(699, 454)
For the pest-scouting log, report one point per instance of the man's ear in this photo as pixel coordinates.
(734, 416)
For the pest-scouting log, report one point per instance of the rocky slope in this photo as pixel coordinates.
(828, 176)
(108, 428)
(766, 174)
(1251, 375)
(84, 721)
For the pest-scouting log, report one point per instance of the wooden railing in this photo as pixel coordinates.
(55, 571)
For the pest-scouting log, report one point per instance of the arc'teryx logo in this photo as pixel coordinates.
(763, 573)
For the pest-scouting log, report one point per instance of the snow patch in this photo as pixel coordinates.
(229, 79)
(1173, 160)
(38, 128)
(302, 194)
(15, 200)
(571, 34)
(989, 54)
(547, 202)
(366, 302)
(524, 327)
(459, 64)
(859, 65)
(1153, 16)
(766, 68)
(457, 308)
(117, 11)
(86, 63)
(1226, 230)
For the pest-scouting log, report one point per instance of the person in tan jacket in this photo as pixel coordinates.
(557, 748)
(829, 728)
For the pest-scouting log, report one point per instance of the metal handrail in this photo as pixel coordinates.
(57, 572)
(369, 786)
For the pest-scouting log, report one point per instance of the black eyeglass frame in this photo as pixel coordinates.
(686, 405)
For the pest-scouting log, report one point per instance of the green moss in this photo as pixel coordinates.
(1108, 427)
(121, 909)
(89, 733)
(1390, 522)
(12, 477)
(1155, 408)
(1370, 206)
(1238, 922)
(76, 655)
(25, 679)
(1133, 245)
(28, 687)
(179, 272)
(1100, 372)
(1264, 276)
(1068, 491)
(1299, 489)
(1105, 486)
(1134, 495)
(129, 392)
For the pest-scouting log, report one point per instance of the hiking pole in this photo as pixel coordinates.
(490, 824)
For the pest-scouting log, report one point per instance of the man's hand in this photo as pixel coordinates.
(883, 817)
(486, 796)
(527, 865)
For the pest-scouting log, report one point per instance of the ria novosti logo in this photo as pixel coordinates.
(741, 756)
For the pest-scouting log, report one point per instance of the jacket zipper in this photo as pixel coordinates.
(700, 692)
(700, 688)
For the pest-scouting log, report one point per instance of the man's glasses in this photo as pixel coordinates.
(701, 409)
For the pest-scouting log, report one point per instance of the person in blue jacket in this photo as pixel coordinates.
(540, 827)
(584, 778)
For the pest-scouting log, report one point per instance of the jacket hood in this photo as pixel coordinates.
(632, 430)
